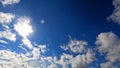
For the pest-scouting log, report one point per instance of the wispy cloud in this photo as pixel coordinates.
(8, 35)
(9, 2)
(23, 28)
(27, 43)
(4, 42)
(6, 18)
(10, 59)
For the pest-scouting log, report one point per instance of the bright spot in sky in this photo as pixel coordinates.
(42, 21)
(23, 27)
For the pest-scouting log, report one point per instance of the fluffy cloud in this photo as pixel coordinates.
(75, 46)
(109, 44)
(9, 2)
(8, 35)
(115, 17)
(6, 18)
(79, 61)
(82, 60)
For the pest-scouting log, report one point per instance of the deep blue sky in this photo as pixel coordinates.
(81, 19)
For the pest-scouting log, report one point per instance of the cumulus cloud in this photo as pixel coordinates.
(75, 46)
(84, 56)
(8, 35)
(115, 16)
(9, 2)
(79, 61)
(109, 44)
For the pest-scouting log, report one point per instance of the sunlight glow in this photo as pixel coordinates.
(23, 27)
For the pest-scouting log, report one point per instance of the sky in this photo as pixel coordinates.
(59, 33)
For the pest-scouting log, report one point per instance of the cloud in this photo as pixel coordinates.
(53, 66)
(75, 46)
(8, 35)
(6, 18)
(43, 48)
(108, 65)
(23, 28)
(79, 61)
(109, 44)
(34, 58)
(9, 59)
(115, 16)
(84, 56)
(4, 42)
(27, 43)
(9, 2)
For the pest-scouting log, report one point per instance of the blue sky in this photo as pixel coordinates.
(59, 33)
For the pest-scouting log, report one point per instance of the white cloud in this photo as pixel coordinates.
(9, 2)
(9, 59)
(8, 35)
(6, 18)
(64, 60)
(4, 42)
(115, 17)
(79, 61)
(53, 66)
(108, 65)
(23, 26)
(43, 48)
(27, 43)
(84, 56)
(75, 46)
(109, 44)
(82, 61)
(34, 59)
